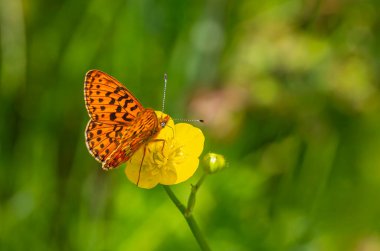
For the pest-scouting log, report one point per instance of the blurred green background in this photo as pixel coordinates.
(289, 91)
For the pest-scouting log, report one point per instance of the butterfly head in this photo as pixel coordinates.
(163, 120)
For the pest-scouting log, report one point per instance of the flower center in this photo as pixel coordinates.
(159, 159)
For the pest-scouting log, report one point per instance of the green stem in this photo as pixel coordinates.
(189, 219)
(192, 197)
(200, 181)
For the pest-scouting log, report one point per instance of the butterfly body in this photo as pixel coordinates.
(119, 124)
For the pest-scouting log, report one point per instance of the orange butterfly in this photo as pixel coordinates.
(119, 124)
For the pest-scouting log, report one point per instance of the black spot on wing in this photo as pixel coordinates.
(118, 89)
(125, 117)
(125, 96)
(133, 108)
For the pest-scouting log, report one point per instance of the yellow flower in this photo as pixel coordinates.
(170, 158)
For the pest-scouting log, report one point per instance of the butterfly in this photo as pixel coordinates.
(119, 125)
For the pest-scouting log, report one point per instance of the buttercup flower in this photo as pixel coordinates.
(170, 158)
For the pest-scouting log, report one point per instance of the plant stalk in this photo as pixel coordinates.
(189, 219)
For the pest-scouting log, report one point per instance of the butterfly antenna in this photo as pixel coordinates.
(163, 99)
(190, 120)
(163, 103)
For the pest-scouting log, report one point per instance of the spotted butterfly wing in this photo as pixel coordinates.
(107, 100)
(119, 124)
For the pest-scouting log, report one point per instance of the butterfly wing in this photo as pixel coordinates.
(108, 101)
(113, 110)
(144, 128)
(103, 139)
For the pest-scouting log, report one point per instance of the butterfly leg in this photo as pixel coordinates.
(172, 129)
(163, 145)
(142, 160)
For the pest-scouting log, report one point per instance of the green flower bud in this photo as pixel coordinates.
(213, 162)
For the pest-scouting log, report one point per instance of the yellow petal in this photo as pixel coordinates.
(187, 169)
(168, 177)
(191, 138)
(146, 180)
(190, 141)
